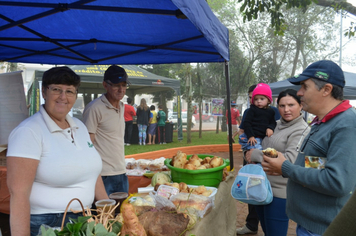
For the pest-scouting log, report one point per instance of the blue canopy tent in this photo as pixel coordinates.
(349, 89)
(122, 32)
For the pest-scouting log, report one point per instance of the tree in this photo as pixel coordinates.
(270, 56)
(252, 9)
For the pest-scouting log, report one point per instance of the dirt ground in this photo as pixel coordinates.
(241, 208)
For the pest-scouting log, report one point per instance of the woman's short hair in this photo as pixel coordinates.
(288, 92)
(60, 75)
(337, 92)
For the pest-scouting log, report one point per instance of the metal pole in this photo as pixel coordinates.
(227, 75)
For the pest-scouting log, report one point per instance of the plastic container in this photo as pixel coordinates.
(208, 177)
(106, 205)
(118, 197)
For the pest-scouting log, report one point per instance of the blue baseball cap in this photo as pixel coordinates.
(115, 74)
(324, 70)
(233, 103)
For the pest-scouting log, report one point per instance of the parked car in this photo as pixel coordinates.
(173, 118)
(205, 118)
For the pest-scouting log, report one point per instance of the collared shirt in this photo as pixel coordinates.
(343, 106)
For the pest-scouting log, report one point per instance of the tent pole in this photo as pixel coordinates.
(227, 75)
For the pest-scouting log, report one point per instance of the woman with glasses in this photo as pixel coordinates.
(51, 160)
(290, 129)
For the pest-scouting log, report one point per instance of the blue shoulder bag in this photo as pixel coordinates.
(252, 186)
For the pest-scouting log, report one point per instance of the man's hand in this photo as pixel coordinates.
(269, 132)
(252, 141)
(273, 166)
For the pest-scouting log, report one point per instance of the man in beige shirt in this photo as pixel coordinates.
(104, 118)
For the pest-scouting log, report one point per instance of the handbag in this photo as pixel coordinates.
(252, 186)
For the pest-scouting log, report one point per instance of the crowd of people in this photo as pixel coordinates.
(53, 157)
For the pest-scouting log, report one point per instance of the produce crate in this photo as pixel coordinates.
(208, 177)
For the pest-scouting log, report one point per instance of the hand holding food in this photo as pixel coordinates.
(270, 152)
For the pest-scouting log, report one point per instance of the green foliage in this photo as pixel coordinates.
(80, 227)
(251, 9)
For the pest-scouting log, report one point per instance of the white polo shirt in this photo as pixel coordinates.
(68, 167)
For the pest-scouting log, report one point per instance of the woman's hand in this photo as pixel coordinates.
(269, 132)
(273, 166)
(248, 155)
(252, 141)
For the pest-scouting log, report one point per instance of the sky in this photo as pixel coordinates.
(349, 51)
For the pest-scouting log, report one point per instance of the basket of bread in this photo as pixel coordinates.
(197, 169)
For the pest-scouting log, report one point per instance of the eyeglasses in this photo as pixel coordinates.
(59, 91)
(117, 86)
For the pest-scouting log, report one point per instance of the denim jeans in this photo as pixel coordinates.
(246, 146)
(273, 217)
(116, 183)
(301, 231)
(142, 133)
(52, 220)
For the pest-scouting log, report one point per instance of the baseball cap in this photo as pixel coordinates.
(115, 74)
(233, 103)
(324, 70)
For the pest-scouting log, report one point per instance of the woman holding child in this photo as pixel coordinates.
(288, 134)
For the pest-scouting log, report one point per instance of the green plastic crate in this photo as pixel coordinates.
(208, 177)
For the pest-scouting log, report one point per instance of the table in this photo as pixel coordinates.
(221, 220)
(136, 182)
(4, 192)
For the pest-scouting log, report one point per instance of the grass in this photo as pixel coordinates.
(208, 137)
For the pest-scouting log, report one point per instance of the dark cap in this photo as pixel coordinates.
(233, 103)
(115, 74)
(324, 70)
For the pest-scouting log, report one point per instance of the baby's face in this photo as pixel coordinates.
(260, 101)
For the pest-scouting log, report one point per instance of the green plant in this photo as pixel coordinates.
(81, 227)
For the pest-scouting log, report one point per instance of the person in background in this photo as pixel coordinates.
(153, 126)
(143, 116)
(289, 130)
(323, 177)
(128, 115)
(104, 118)
(161, 116)
(259, 121)
(252, 220)
(251, 226)
(51, 160)
(235, 118)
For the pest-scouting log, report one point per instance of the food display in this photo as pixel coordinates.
(197, 169)
(185, 188)
(180, 160)
(141, 166)
(131, 225)
(160, 178)
(270, 152)
(173, 205)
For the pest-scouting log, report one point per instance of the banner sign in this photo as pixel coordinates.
(13, 109)
(217, 106)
